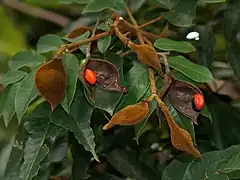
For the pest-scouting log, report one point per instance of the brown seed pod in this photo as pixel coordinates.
(181, 96)
(50, 80)
(132, 114)
(147, 55)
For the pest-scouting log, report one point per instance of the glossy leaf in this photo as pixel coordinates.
(12, 77)
(49, 42)
(137, 80)
(14, 164)
(97, 6)
(40, 128)
(131, 114)
(25, 94)
(183, 14)
(50, 80)
(78, 121)
(129, 165)
(81, 160)
(26, 58)
(179, 19)
(146, 55)
(171, 45)
(193, 71)
(169, 4)
(71, 66)
(9, 105)
(210, 163)
(104, 43)
(224, 132)
(205, 112)
(181, 95)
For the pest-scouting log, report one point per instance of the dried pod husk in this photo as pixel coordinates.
(79, 31)
(106, 74)
(132, 114)
(50, 80)
(147, 55)
(180, 95)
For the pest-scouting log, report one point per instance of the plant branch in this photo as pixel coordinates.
(88, 49)
(37, 12)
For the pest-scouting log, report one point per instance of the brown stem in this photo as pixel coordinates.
(165, 59)
(88, 49)
(151, 22)
(75, 45)
(152, 81)
(37, 12)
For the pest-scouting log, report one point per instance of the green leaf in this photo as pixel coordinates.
(104, 43)
(108, 100)
(213, 1)
(174, 170)
(193, 71)
(39, 126)
(9, 104)
(14, 164)
(225, 123)
(79, 121)
(137, 80)
(81, 160)
(71, 66)
(104, 176)
(128, 164)
(49, 42)
(26, 93)
(26, 58)
(179, 19)
(183, 13)
(210, 163)
(231, 19)
(169, 4)
(12, 77)
(217, 177)
(171, 45)
(205, 112)
(3, 98)
(97, 6)
(73, 1)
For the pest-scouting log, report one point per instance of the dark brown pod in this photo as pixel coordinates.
(181, 96)
(106, 74)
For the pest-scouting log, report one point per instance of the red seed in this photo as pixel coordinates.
(198, 102)
(90, 76)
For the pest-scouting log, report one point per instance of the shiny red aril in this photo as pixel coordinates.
(90, 76)
(198, 102)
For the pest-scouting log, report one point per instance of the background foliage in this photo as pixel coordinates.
(69, 143)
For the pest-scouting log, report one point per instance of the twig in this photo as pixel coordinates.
(151, 22)
(136, 26)
(152, 81)
(88, 49)
(165, 59)
(37, 12)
